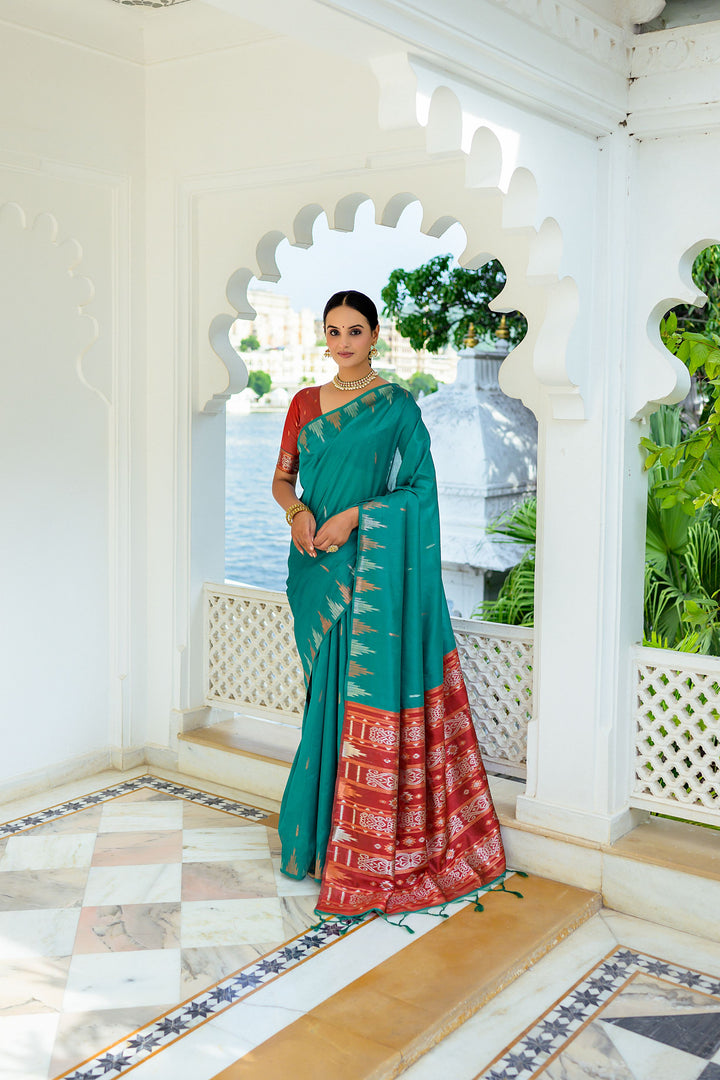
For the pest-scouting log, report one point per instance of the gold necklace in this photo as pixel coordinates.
(355, 384)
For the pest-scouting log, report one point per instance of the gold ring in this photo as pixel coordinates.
(333, 547)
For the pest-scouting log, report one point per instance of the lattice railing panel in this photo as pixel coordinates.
(677, 743)
(252, 662)
(497, 662)
(252, 665)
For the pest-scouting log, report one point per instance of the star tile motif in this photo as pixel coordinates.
(634, 1016)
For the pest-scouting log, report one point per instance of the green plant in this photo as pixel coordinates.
(682, 570)
(515, 603)
(693, 461)
(435, 304)
(250, 343)
(420, 383)
(260, 382)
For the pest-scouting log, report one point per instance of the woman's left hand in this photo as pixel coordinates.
(337, 529)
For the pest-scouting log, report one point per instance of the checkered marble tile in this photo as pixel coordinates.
(633, 1017)
(118, 906)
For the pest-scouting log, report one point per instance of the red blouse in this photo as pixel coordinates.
(304, 407)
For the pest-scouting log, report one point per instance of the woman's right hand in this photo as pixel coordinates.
(303, 532)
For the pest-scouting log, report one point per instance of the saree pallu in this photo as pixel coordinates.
(387, 800)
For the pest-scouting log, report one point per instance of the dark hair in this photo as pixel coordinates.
(356, 300)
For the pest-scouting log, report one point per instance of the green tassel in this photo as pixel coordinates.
(400, 923)
(347, 925)
(478, 906)
(502, 888)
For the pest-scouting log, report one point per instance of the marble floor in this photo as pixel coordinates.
(119, 904)
(145, 928)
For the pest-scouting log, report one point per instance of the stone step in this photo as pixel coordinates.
(383, 1021)
(248, 753)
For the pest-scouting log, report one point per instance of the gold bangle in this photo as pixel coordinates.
(293, 510)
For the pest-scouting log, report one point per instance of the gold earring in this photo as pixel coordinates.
(327, 354)
(373, 354)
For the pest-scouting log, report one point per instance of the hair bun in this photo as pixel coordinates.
(353, 299)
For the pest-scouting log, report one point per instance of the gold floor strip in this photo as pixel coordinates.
(379, 1024)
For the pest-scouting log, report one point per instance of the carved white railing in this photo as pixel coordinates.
(252, 666)
(251, 661)
(677, 739)
(497, 663)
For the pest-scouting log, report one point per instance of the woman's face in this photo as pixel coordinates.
(349, 337)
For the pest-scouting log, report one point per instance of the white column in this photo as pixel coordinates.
(589, 591)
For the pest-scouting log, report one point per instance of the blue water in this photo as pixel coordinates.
(257, 538)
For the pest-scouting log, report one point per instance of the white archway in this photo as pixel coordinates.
(498, 224)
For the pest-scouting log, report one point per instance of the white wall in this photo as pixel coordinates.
(71, 149)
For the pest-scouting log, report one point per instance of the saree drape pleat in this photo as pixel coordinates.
(387, 799)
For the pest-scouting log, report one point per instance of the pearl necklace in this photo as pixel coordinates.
(355, 384)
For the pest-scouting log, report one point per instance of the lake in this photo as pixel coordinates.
(257, 538)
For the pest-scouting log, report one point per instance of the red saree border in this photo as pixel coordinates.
(413, 821)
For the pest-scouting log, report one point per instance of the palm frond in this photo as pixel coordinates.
(518, 524)
(690, 643)
(515, 603)
(703, 556)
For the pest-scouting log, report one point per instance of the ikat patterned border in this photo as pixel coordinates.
(557, 1026)
(204, 798)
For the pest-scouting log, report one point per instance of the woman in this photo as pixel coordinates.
(387, 801)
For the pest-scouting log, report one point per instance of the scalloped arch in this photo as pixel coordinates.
(657, 366)
(53, 265)
(395, 206)
(303, 224)
(499, 223)
(344, 217)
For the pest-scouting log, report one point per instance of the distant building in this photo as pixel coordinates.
(287, 340)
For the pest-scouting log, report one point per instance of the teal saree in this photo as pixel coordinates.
(387, 803)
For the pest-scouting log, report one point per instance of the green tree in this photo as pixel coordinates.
(260, 382)
(249, 343)
(435, 304)
(393, 377)
(421, 383)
